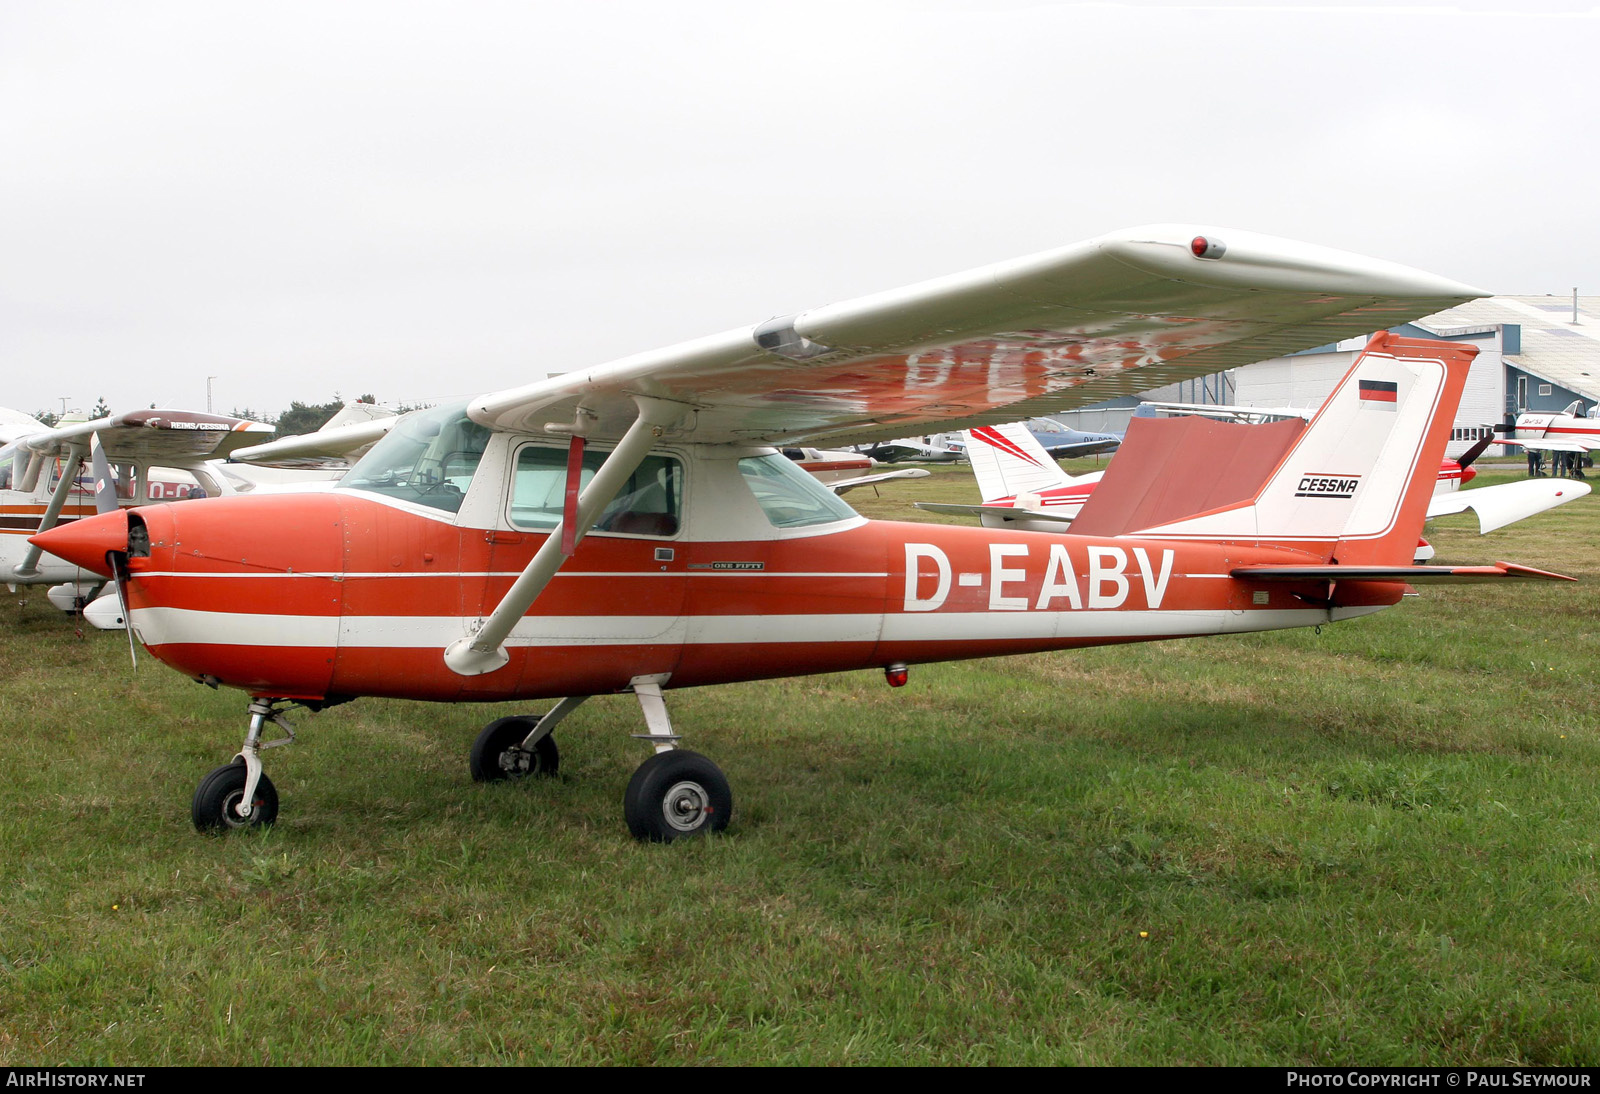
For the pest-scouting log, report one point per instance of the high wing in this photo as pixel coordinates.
(173, 438)
(1112, 316)
(340, 440)
(15, 425)
(1507, 503)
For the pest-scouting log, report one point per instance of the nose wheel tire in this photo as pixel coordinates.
(218, 795)
(677, 794)
(498, 753)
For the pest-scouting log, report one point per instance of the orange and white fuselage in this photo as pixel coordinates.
(355, 595)
(355, 592)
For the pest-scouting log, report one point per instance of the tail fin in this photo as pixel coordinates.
(1355, 487)
(1009, 462)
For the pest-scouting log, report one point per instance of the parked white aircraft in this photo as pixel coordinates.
(1572, 433)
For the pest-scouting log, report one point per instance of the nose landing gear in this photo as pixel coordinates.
(239, 794)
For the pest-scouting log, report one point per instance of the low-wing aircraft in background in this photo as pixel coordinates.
(931, 448)
(1022, 487)
(630, 527)
(1571, 433)
(1063, 442)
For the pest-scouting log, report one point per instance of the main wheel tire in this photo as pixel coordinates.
(220, 791)
(498, 753)
(675, 795)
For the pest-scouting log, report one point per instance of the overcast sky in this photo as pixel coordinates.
(418, 200)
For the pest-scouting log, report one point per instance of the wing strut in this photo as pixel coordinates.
(69, 476)
(483, 651)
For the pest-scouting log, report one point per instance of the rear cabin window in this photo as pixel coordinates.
(649, 503)
(790, 497)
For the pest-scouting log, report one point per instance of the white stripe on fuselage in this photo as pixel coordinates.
(162, 626)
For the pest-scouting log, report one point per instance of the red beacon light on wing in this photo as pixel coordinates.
(897, 674)
(1204, 247)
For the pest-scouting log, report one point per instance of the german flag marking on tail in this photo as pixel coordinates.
(1379, 394)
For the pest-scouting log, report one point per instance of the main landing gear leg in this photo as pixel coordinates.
(675, 793)
(520, 746)
(239, 794)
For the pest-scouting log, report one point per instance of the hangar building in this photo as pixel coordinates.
(1537, 353)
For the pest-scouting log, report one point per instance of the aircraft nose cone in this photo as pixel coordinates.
(85, 542)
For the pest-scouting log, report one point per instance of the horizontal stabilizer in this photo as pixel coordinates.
(841, 485)
(1411, 575)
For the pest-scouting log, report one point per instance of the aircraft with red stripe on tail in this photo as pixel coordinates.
(631, 527)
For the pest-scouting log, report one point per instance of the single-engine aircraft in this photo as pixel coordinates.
(631, 528)
(935, 448)
(1063, 442)
(1571, 433)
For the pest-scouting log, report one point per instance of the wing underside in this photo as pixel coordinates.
(1114, 316)
(173, 438)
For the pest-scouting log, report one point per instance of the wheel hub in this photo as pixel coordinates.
(516, 762)
(686, 806)
(230, 810)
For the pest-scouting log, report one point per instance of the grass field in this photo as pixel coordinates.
(1374, 845)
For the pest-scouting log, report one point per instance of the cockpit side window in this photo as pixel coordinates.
(428, 458)
(649, 503)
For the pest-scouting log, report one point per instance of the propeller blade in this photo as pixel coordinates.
(1466, 458)
(119, 573)
(105, 487)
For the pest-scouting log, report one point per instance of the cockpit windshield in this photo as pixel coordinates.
(428, 458)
